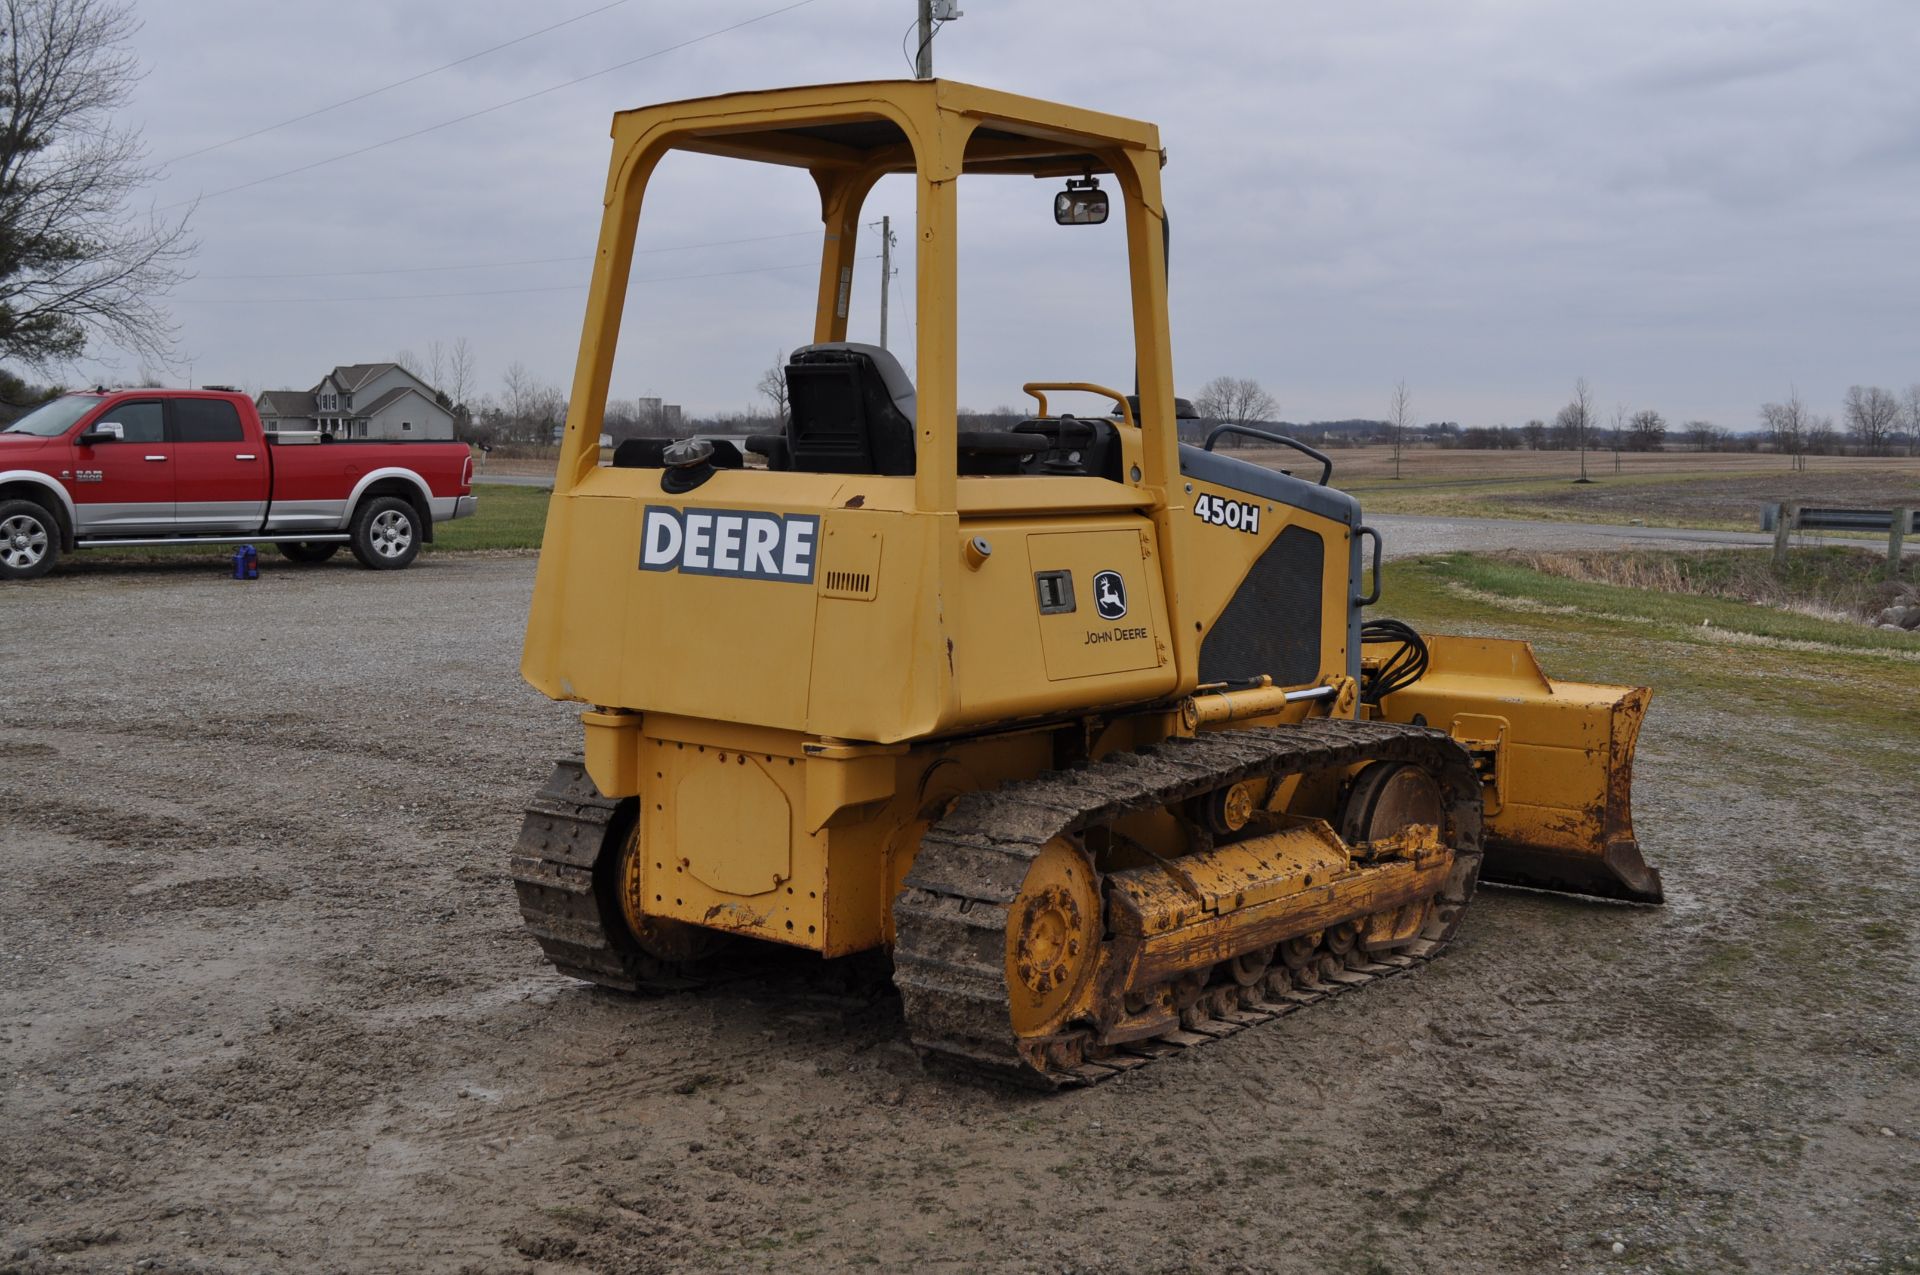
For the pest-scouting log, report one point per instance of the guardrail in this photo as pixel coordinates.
(1783, 518)
(1823, 518)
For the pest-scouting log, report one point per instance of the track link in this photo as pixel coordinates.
(951, 919)
(562, 871)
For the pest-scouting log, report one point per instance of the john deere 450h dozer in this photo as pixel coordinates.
(1081, 722)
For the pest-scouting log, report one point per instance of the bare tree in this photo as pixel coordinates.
(459, 373)
(773, 385)
(1535, 432)
(1787, 426)
(1704, 435)
(531, 409)
(1647, 431)
(1873, 418)
(76, 262)
(1575, 423)
(1822, 438)
(1235, 399)
(621, 419)
(1399, 418)
(519, 386)
(409, 361)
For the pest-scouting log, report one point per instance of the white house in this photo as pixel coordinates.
(361, 400)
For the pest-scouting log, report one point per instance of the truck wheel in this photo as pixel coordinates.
(308, 551)
(29, 540)
(386, 533)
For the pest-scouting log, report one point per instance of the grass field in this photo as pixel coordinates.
(1829, 582)
(1466, 586)
(1661, 489)
(505, 517)
(1758, 658)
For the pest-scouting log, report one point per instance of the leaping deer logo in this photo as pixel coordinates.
(1110, 595)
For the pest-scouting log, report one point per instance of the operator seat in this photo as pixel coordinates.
(849, 410)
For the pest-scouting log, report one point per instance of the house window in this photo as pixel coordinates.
(406, 427)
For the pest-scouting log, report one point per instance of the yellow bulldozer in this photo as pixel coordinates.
(1081, 723)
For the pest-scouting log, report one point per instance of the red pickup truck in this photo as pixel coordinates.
(150, 467)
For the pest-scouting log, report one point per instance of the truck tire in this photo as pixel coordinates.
(386, 533)
(29, 540)
(308, 552)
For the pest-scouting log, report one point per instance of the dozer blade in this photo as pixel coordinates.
(1556, 760)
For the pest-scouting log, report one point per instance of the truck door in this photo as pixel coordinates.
(124, 486)
(220, 479)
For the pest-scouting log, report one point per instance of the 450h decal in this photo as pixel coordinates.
(1221, 512)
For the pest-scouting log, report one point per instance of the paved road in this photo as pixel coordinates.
(1409, 534)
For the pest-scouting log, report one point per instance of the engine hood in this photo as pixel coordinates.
(15, 446)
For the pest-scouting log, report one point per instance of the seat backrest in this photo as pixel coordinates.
(850, 410)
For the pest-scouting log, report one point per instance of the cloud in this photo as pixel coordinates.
(1690, 204)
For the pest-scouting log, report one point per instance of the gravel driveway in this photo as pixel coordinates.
(265, 1003)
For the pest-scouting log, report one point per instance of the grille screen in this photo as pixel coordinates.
(1272, 623)
(857, 583)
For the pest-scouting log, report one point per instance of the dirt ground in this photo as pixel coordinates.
(266, 1004)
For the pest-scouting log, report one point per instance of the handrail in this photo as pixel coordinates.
(1374, 596)
(1035, 388)
(1326, 461)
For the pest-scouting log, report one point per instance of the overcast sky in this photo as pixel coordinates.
(1691, 204)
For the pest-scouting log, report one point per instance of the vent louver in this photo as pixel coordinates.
(850, 565)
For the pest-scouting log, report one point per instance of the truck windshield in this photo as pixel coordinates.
(53, 418)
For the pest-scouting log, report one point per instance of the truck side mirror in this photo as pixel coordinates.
(103, 432)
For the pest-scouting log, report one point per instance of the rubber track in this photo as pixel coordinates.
(950, 920)
(568, 909)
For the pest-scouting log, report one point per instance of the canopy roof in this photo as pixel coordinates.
(858, 124)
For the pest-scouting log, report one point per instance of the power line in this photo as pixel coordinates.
(501, 265)
(495, 292)
(490, 292)
(485, 110)
(339, 274)
(375, 92)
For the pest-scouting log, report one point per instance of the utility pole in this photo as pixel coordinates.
(934, 14)
(886, 273)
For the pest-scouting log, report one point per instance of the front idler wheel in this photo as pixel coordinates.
(1387, 799)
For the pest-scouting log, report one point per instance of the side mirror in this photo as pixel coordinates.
(1082, 203)
(103, 432)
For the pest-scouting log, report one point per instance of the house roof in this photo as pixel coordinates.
(351, 376)
(394, 395)
(287, 403)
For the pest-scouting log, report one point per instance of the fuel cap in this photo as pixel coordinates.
(689, 462)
